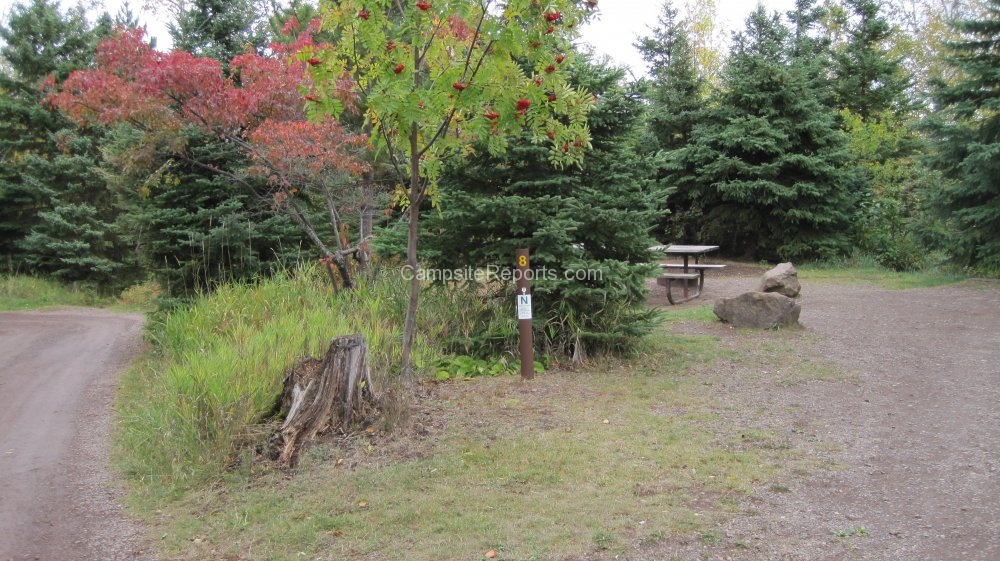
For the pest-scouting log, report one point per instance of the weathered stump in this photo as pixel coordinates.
(323, 395)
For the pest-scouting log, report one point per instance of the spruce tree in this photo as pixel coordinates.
(594, 219)
(219, 29)
(39, 41)
(192, 227)
(767, 166)
(868, 79)
(74, 239)
(675, 93)
(965, 130)
(674, 88)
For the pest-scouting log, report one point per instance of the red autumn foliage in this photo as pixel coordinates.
(291, 153)
(260, 106)
(424, 5)
(155, 91)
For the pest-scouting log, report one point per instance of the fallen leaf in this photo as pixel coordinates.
(491, 554)
(362, 504)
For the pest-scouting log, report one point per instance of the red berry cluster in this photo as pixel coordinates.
(424, 5)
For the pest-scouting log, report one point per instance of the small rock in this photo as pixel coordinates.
(783, 279)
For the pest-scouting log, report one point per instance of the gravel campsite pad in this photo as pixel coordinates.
(906, 443)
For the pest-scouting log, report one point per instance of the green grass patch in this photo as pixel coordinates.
(876, 276)
(21, 292)
(701, 313)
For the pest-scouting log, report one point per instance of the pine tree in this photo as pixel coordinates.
(594, 218)
(767, 165)
(965, 131)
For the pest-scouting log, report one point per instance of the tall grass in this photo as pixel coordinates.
(21, 292)
(198, 405)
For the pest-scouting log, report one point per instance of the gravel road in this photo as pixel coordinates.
(58, 370)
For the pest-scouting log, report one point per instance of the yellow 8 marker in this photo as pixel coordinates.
(522, 261)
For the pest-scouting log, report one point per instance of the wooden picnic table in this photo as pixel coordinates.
(688, 271)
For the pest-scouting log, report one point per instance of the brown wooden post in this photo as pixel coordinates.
(526, 344)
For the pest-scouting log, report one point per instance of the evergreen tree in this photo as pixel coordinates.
(38, 42)
(74, 240)
(809, 50)
(220, 29)
(965, 131)
(193, 229)
(869, 80)
(674, 90)
(595, 218)
(766, 166)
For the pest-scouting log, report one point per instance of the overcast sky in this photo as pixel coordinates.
(619, 24)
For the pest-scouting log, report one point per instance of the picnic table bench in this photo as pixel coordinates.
(685, 272)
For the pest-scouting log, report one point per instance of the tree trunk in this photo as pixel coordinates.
(416, 198)
(323, 394)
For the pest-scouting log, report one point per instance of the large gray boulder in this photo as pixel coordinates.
(762, 310)
(782, 279)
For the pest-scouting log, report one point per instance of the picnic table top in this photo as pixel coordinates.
(676, 249)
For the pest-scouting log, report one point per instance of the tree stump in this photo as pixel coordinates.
(323, 395)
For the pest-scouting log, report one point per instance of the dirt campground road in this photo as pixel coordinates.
(58, 370)
(901, 454)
